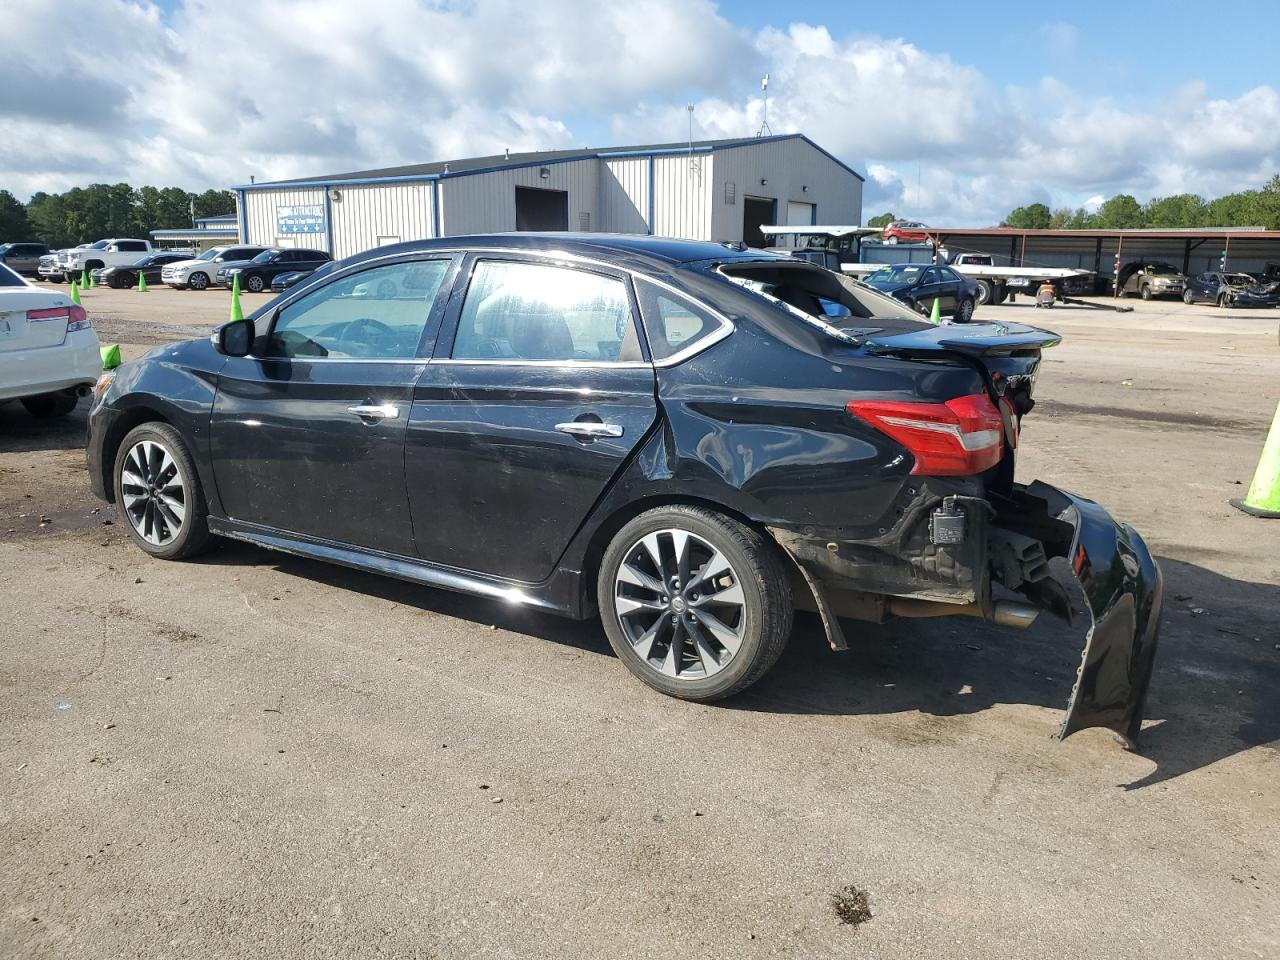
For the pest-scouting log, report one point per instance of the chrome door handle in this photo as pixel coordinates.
(381, 411)
(590, 429)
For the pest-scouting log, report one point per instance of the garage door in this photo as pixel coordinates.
(799, 214)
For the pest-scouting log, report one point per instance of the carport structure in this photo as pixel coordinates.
(1192, 250)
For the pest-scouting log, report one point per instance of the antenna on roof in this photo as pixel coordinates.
(508, 153)
(764, 117)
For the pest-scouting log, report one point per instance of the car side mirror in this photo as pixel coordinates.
(235, 339)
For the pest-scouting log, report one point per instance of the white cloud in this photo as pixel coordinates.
(127, 92)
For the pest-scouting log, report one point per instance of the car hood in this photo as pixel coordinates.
(887, 286)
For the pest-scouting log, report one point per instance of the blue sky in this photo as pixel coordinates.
(956, 112)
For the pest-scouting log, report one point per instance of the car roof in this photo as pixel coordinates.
(660, 252)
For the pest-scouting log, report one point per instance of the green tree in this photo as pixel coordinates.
(883, 220)
(215, 203)
(1035, 216)
(14, 223)
(1121, 212)
(1181, 210)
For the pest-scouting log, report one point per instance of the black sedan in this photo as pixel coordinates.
(680, 436)
(149, 266)
(257, 274)
(1231, 290)
(918, 285)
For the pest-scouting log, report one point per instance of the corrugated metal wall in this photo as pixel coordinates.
(624, 195)
(486, 202)
(682, 195)
(788, 166)
(260, 215)
(373, 216)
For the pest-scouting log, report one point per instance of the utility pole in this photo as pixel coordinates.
(764, 120)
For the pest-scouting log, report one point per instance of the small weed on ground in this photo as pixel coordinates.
(852, 905)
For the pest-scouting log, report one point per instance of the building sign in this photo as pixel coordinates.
(300, 218)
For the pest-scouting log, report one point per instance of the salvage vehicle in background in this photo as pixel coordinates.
(918, 285)
(905, 231)
(1150, 279)
(49, 352)
(636, 426)
(197, 273)
(256, 274)
(149, 266)
(23, 258)
(1231, 290)
(117, 252)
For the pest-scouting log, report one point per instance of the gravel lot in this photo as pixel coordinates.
(260, 756)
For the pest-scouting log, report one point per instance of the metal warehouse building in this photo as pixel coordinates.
(706, 190)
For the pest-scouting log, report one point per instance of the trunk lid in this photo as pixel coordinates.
(17, 332)
(979, 340)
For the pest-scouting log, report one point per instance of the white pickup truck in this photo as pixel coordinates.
(115, 252)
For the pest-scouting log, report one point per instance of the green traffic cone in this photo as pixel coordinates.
(92, 281)
(110, 356)
(1263, 499)
(75, 291)
(142, 282)
(84, 278)
(236, 312)
(935, 315)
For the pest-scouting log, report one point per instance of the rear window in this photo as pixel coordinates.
(907, 274)
(10, 279)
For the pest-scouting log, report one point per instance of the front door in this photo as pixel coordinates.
(307, 435)
(518, 428)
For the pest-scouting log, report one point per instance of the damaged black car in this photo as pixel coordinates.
(688, 439)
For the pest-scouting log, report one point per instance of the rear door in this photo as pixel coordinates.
(539, 392)
(308, 433)
(932, 287)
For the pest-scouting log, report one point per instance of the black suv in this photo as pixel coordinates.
(675, 434)
(256, 274)
(23, 258)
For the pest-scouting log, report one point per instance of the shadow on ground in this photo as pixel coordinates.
(1212, 696)
(22, 433)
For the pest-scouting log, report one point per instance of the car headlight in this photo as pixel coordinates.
(101, 386)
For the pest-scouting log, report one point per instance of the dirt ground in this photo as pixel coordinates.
(253, 755)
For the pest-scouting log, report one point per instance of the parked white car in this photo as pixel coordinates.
(197, 274)
(116, 252)
(49, 352)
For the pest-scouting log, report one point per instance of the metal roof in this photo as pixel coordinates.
(444, 169)
(1154, 233)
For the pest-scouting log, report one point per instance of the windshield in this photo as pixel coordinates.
(266, 256)
(210, 253)
(1160, 268)
(904, 274)
(100, 245)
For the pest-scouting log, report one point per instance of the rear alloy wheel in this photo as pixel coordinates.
(198, 281)
(49, 405)
(158, 491)
(696, 605)
(1188, 298)
(965, 313)
(254, 283)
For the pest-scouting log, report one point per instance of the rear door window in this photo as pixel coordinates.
(674, 324)
(517, 311)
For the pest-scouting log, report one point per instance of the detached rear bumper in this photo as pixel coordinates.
(910, 571)
(1124, 591)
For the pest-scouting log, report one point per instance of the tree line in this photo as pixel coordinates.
(1248, 208)
(101, 210)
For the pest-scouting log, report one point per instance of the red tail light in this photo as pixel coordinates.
(958, 438)
(77, 317)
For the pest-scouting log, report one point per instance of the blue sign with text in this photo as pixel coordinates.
(300, 218)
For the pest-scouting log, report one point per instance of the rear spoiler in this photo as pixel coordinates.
(970, 339)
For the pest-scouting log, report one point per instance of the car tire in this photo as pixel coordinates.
(964, 314)
(1224, 301)
(46, 406)
(717, 645)
(254, 283)
(985, 292)
(153, 476)
(198, 281)
(1146, 291)
(1188, 297)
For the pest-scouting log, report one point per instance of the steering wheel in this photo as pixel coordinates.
(376, 327)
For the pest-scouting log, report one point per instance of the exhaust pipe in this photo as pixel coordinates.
(1006, 613)
(82, 390)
